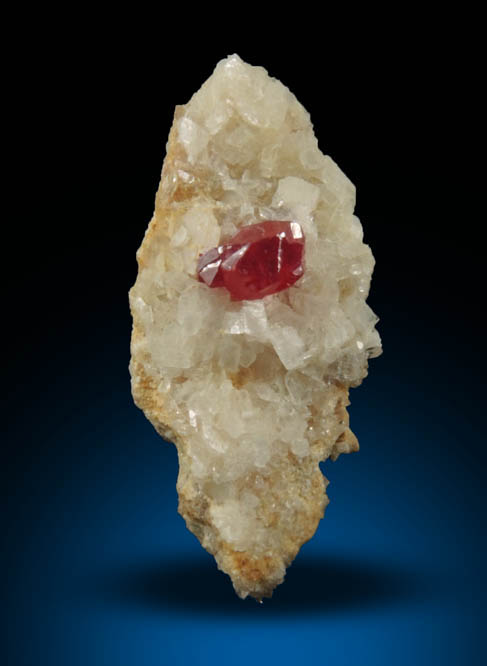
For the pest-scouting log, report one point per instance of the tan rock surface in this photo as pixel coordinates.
(252, 393)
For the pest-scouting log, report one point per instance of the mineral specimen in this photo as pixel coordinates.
(253, 392)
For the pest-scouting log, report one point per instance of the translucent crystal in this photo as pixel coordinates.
(261, 259)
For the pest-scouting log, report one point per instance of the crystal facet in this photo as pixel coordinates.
(261, 259)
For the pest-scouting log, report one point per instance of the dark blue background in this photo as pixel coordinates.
(98, 566)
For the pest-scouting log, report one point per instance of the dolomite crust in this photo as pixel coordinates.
(253, 393)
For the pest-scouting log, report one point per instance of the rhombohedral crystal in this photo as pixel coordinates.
(251, 381)
(260, 260)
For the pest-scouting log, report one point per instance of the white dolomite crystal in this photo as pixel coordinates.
(253, 393)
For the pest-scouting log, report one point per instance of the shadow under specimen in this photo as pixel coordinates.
(324, 585)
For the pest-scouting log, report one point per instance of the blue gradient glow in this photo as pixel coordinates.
(98, 567)
(101, 568)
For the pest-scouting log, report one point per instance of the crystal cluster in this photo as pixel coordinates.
(252, 391)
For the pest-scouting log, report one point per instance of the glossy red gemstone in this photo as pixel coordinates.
(261, 259)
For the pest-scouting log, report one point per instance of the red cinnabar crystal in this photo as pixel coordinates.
(259, 260)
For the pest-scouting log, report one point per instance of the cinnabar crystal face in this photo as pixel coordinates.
(261, 259)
